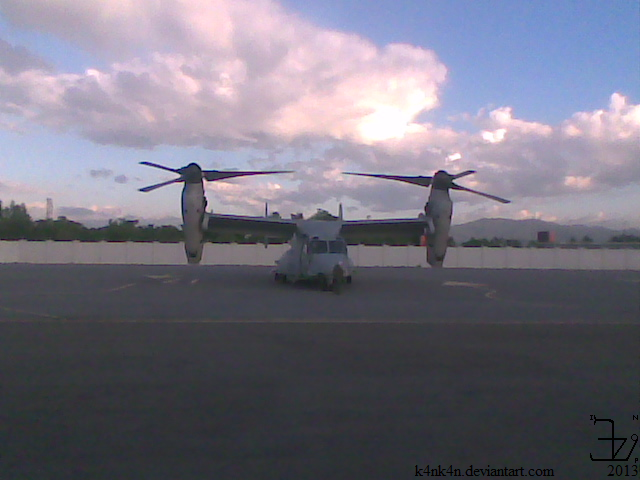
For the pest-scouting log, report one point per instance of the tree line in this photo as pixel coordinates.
(17, 224)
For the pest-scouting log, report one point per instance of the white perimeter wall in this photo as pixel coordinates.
(385, 256)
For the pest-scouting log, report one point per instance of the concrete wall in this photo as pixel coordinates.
(385, 256)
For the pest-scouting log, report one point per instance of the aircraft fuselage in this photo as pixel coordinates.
(317, 252)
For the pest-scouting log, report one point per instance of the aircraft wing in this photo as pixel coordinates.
(399, 228)
(260, 226)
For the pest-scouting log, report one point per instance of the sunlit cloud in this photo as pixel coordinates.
(580, 183)
(238, 73)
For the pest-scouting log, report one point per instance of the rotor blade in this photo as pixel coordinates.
(160, 166)
(158, 185)
(492, 197)
(213, 175)
(419, 180)
(462, 174)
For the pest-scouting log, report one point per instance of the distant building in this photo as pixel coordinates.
(546, 237)
(49, 214)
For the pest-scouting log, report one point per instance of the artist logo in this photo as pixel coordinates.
(618, 449)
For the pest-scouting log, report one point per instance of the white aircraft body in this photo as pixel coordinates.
(317, 252)
(318, 247)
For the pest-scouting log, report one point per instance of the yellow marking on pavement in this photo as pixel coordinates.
(194, 281)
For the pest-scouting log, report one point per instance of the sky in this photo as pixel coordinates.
(541, 97)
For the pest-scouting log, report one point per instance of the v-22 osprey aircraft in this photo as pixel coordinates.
(318, 247)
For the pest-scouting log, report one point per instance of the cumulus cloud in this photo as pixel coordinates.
(217, 74)
(17, 59)
(96, 215)
(530, 160)
(591, 151)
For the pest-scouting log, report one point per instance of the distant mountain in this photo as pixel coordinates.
(527, 230)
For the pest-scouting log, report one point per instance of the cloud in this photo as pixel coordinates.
(101, 173)
(93, 216)
(531, 160)
(218, 74)
(17, 59)
(105, 173)
(18, 188)
(578, 182)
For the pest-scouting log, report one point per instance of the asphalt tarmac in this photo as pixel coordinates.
(165, 372)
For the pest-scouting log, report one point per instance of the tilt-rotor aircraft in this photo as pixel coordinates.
(318, 247)
(438, 209)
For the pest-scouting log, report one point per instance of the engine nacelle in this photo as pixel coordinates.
(194, 204)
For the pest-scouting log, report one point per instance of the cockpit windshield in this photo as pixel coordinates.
(337, 246)
(331, 246)
(317, 246)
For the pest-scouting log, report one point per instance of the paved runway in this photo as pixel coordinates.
(149, 372)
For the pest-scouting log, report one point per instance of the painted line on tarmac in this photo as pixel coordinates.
(128, 285)
(41, 316)
(50, 319)
(492, 295)
(464, 284)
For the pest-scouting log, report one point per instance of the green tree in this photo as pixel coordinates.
(15, 222)
(624, 239)
(60, 229)
(475, 242)
(121, 230)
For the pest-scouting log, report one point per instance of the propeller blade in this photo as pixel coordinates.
(213, 175)
(418, 180)
(158, 185)
(149, 164)
(462, 174)
(492, 197)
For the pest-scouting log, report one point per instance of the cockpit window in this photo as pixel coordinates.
(317, 246)
(337, 246)
(322, 246)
